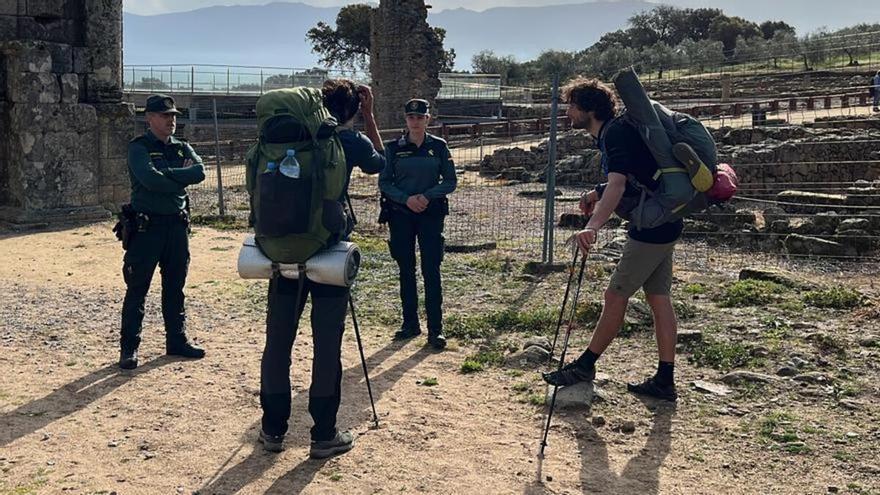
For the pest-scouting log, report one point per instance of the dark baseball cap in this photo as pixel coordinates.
(161, 104)
(417, 106)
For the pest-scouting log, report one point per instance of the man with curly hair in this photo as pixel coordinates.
(647, 257)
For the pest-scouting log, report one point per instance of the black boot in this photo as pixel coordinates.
(128, 359)
(407, 333)
(437, 340)
(185, 349)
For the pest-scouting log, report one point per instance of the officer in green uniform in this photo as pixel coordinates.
(418, 175)
(160, 167)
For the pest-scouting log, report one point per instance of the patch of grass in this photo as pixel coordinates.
(335, 477)
(721, 355)
(696, 457)
(537, 399)
(843, 456)
(535, 322)
(684, 311)
(791, 306)
(470, 366)
(430, 382)
(828, 344)
(695, 289)
(70, 363)
(744, 293)
(370, 244)
(220, 222)
(588, 314)
(834, 298)
(521, 387)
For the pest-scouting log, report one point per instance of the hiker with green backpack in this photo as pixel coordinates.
(297, 178)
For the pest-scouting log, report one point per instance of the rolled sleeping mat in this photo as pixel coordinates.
(337, 265)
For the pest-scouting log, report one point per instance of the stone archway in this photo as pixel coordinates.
(64, 130)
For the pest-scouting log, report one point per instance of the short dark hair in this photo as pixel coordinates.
(591, 95)
(341, 98)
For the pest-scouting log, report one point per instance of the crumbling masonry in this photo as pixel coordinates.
(63, 127)
(404, 58)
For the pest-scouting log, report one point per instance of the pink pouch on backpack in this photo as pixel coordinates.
(726, 183)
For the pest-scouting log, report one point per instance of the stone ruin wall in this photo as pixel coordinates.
(65, 130)
(767, 161)
(403, 59)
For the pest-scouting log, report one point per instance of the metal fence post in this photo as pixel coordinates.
(550, 197)
(219, 172)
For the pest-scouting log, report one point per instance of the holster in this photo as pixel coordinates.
(126, 226)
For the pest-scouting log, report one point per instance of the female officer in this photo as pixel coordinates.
(418, 176)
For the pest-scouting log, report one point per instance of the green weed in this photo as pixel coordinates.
(743, 293)
(835, 298)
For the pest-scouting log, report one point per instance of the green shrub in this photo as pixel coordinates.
(744, 293)
(836, 298)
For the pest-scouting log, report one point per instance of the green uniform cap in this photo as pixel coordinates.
(417, 107)
(161, 104)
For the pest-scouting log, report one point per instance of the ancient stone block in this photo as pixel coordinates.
(113, 170)
(54, 118)
(46, 8)
(31, 88)
(80, 60)
(8, 7)
(69, 88)
(62, 57)
(55, 30)
(8, 27)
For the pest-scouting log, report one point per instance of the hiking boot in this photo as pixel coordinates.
(651, 388)
(184, 349)
(701, 176)
(271, 443)
(128, 360)
(570, 374)
(341, 443)
(407, 333)
(437, 340)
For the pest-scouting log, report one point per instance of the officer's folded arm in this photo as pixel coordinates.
(192, 174)
(143, 170)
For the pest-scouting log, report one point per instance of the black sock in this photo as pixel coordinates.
(588, 359)
(664, 374)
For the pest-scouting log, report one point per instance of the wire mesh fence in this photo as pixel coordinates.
(806, 146)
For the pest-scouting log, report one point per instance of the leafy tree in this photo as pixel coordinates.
(702, 54)
(770, 28)
(347, 46)
(153, 83)
(511, 72)
(660, 57)
(727, 29)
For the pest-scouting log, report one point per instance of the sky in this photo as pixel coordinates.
(151, 7)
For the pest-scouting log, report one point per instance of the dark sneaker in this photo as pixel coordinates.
(437, 340)
(570, 374)
(651, 388)
(341, 443)
(271, 443)
(185, 349)
(407, 333)
(128, 360)
(701, 176)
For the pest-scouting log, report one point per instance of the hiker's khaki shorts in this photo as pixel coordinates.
(643, 265)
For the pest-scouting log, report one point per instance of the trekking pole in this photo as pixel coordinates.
(357, 334)
(564, 301)
(565, 341)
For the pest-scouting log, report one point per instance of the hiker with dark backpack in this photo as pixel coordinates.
(296, 177)
(647, 258)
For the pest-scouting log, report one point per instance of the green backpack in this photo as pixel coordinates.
(295, 218)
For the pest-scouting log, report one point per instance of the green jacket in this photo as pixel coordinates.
(427, 169)
(158, 176)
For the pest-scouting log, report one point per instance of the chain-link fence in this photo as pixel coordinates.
(805, 145)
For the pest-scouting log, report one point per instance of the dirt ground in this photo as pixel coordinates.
(72, 422)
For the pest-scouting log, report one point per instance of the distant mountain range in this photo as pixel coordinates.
(274, 34)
